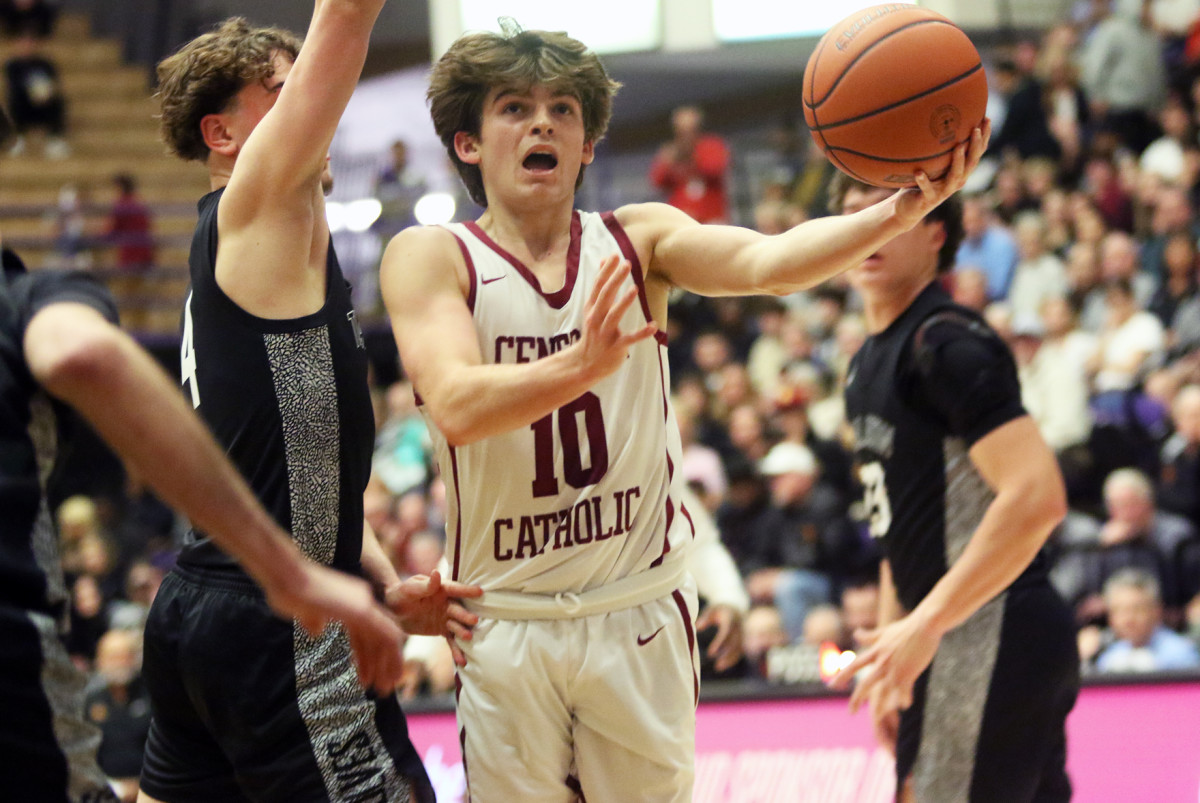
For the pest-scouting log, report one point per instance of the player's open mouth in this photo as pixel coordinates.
(540, 162)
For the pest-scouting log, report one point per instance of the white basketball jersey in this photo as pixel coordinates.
(590, 493)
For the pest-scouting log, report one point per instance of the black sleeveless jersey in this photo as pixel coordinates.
(288, 399)
(919, 395)
(32, 426)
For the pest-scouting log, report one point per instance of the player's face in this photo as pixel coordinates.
(908, 259)
(254, 100)
(531, 144)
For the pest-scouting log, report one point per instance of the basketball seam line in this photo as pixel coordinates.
(867, 50)
(875, 158)
(899, 103)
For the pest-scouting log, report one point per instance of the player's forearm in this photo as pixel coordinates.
(473, 402)
(1013, 529)
(132, 404)
(889, 604)
(819, 249)
(375, 563)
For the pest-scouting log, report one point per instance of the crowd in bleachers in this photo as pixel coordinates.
(1081, 249)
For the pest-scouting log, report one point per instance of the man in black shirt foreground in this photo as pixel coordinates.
(973, 667)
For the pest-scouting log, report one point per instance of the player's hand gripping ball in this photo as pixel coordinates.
(893, 89)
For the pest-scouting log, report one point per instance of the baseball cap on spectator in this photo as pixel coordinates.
(788, 458)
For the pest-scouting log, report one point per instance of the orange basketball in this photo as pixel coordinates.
(892, 89)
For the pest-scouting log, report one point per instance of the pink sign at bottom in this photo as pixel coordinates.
(1125, 743)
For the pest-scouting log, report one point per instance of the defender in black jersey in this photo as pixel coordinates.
(247, 706)
(47, 748)
(973, 669)
(58, 343)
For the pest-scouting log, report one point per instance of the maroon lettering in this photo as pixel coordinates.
(583, 535)
(522, 342)
(501, 342)
(525, 539)
(576, 474)
(619, 498)
(601, 534)
(496, 553)
(562, 533)
(544, 481)
(629, 494)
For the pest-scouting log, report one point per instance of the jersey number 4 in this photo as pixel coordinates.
(187, 355)
(575, 472)
(875, 499)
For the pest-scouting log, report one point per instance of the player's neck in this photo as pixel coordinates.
(534, 239)
(883, 306)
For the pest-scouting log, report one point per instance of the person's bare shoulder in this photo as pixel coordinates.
(424, 254)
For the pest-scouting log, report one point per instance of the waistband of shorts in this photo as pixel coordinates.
(627, 592)
(221, 579)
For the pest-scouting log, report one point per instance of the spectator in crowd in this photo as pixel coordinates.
(1053, 390)
(1164, 157)
(1178, 285)
(35, 98)
(398, 187)
(1136, 534)
(119, 706)
(823, 625)
(1026, 128)
(1172, 213)
(28, 17)
(142, 580)
(1085, 292)
(1142, 643)
(692, 169)
(970, 287)
(1104, 189)
(987, 245)
(860, 606)
(1039, 274)
(1124, 75)
(1132, 340)
(804, 544)
(763, 631)
(1178, 488)
(130, 227)
(402, 447)
(68, 222)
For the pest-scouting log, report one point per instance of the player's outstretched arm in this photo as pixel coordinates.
(92, 365)
(1030, 501)
(728, 260)
(425, 290)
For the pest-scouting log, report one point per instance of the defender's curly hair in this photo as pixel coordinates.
(204, 76)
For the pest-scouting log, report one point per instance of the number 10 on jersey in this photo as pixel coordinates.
(577, 475)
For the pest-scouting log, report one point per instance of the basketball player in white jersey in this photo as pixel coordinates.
(535, 339)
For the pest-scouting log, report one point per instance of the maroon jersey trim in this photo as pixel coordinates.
(558, 298)
(629, 252)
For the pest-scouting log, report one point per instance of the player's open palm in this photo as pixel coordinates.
(603, 346)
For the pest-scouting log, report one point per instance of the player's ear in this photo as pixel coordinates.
(467, 148)
(589, 152)
(217, 135)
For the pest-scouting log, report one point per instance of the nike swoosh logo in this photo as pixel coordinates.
(493, 279)
(644, 640)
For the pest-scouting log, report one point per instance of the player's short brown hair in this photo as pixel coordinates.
(477, 63)
(205, 75)
(948, 213)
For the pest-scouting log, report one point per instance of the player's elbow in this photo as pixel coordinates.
(71, 365)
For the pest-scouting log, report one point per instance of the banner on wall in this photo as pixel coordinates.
(1130, 742)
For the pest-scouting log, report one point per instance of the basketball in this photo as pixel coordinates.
(892, 89)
